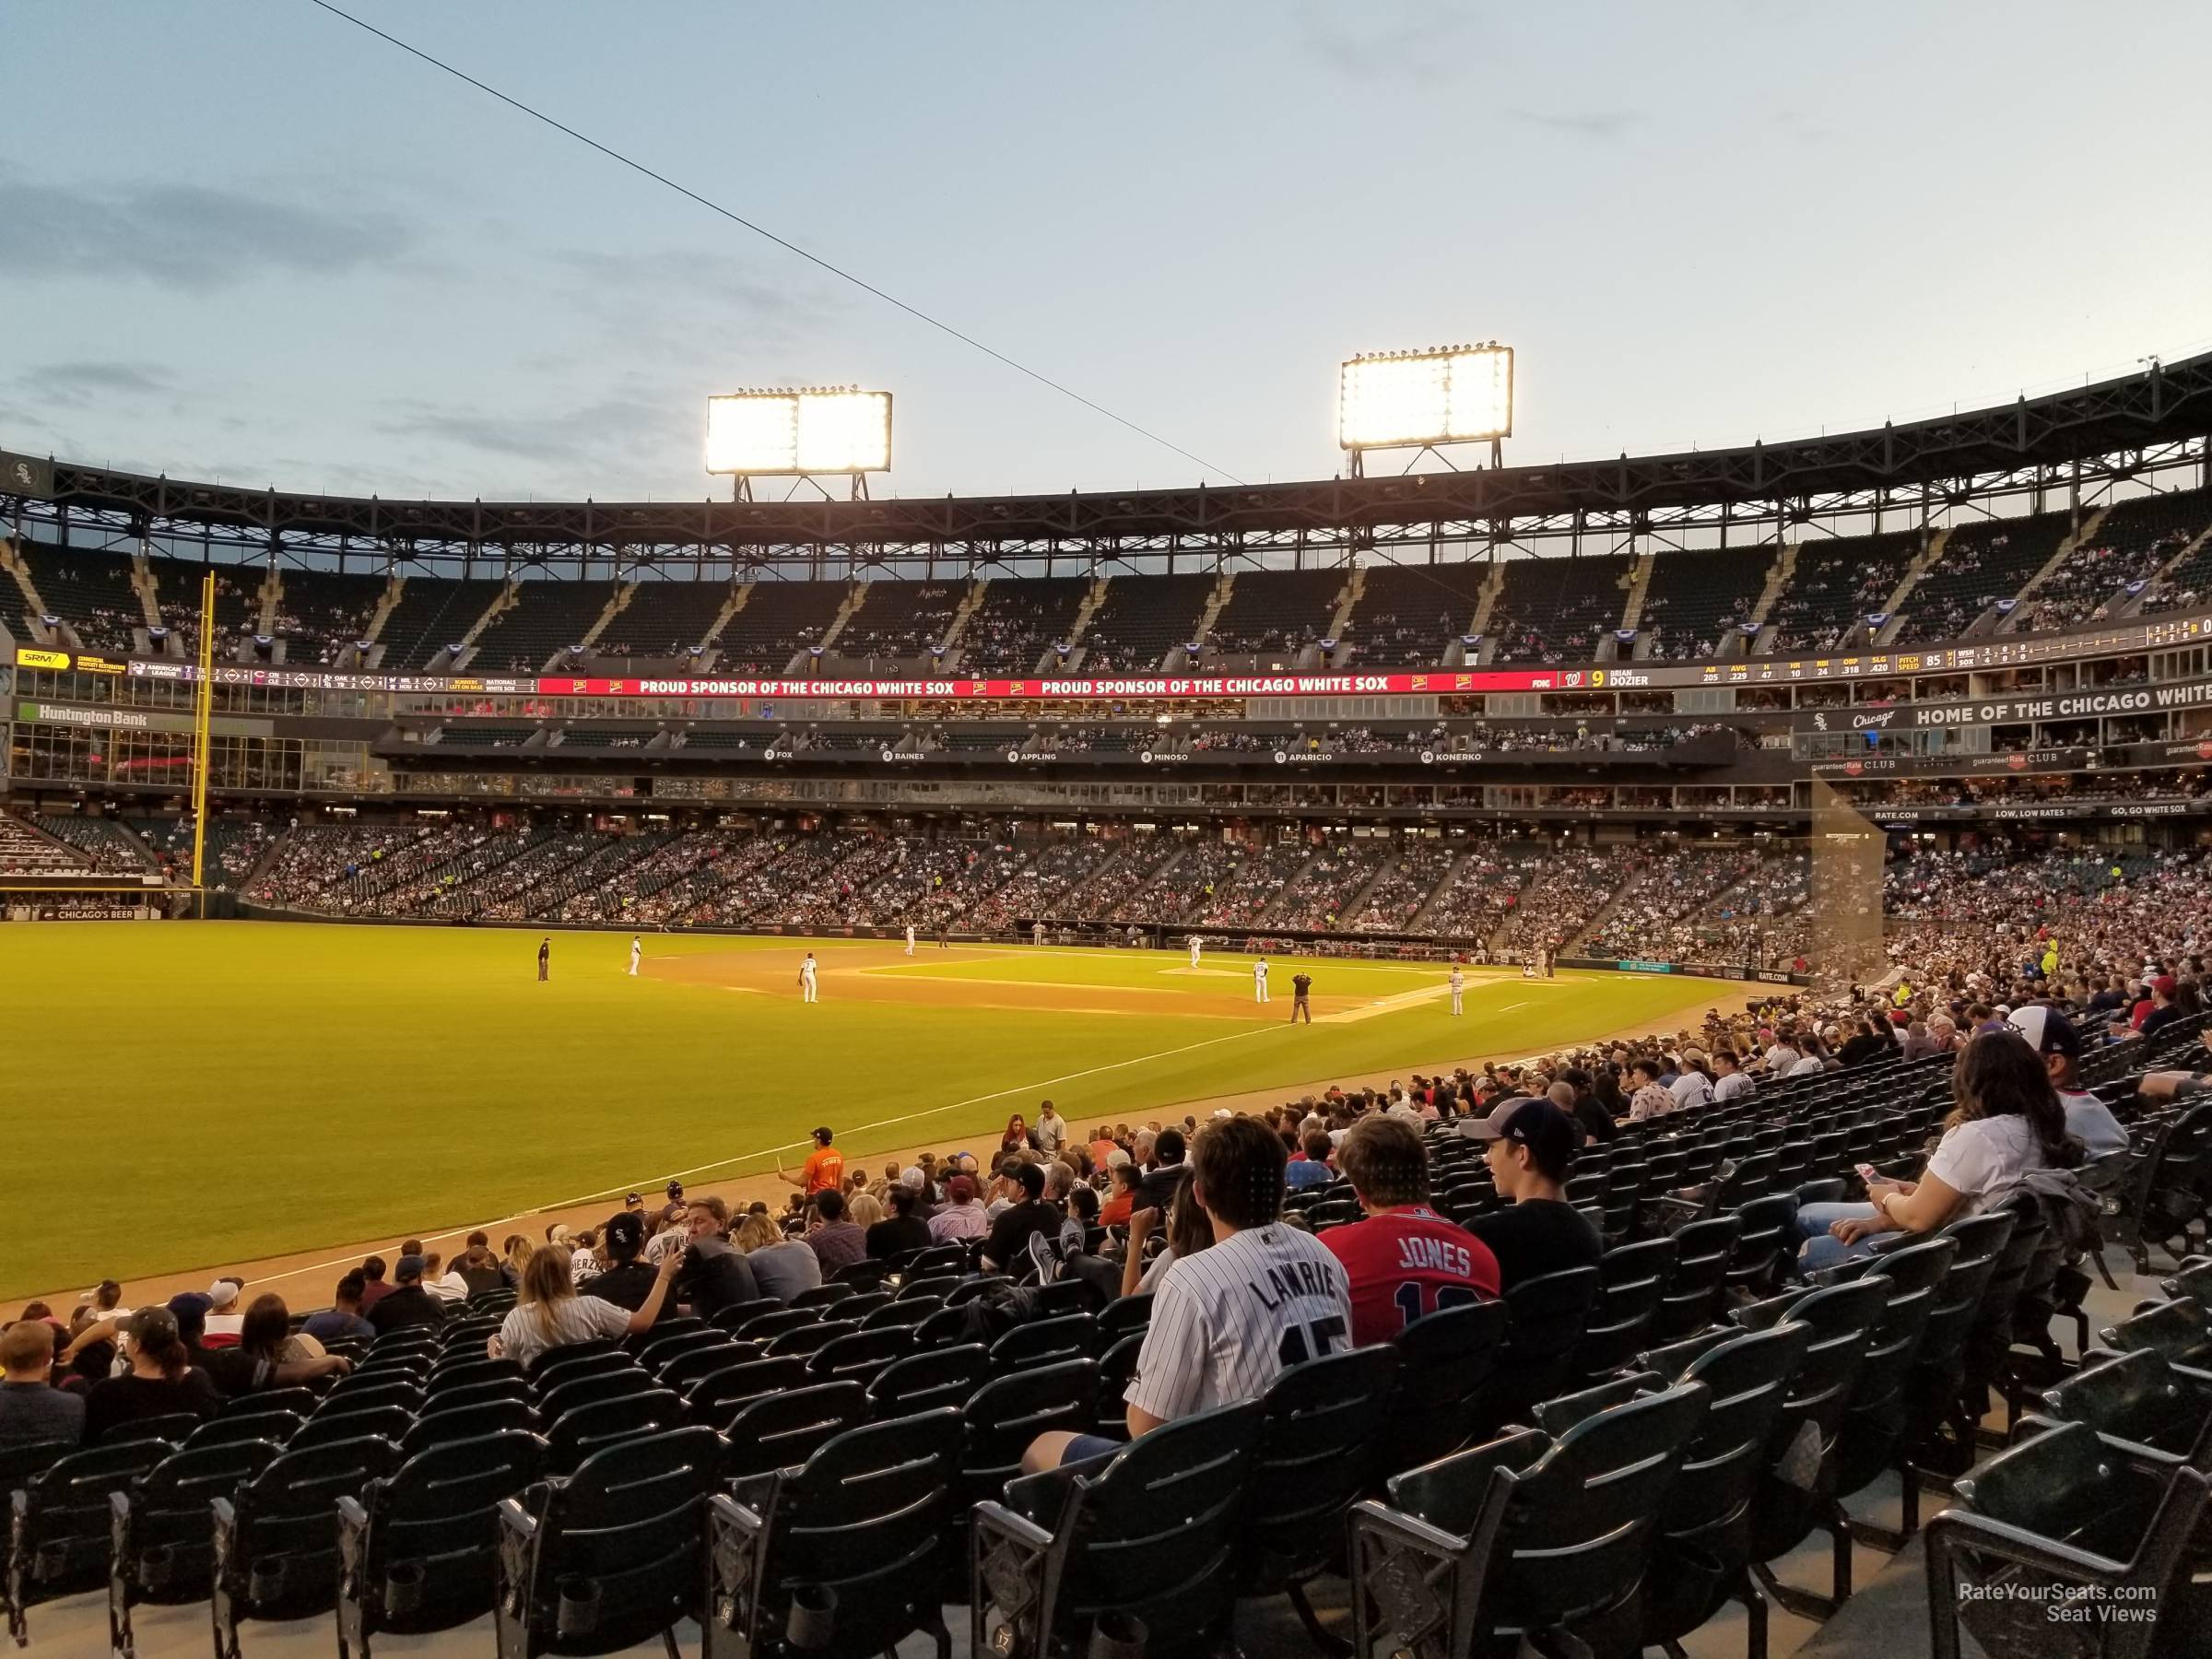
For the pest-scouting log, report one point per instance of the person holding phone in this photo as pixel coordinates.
(2007, 1125)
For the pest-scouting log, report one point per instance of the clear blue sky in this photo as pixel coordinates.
(248, 240)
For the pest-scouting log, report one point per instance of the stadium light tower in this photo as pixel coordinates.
(1424, 400)
(835, 431)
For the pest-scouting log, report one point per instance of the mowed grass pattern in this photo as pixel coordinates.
(209, 1093)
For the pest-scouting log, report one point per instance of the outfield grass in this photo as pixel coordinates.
(210, 1093)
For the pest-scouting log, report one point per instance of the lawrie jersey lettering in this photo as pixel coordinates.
(1288, 1281)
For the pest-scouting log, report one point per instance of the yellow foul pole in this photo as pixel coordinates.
(203, 708)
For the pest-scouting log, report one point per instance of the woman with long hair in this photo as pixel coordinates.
(548, 1313)
(159, 1380)
(783, 1268)
(266, 1355)
(1017, 1137)
(2006, 1124)
(1190, 1231)
(863, 1210)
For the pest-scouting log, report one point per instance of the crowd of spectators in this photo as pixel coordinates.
(1661, 912)
(1571, 887)
(1255, 881)
(1413, 871)
(2082, 954)
(2086, 587)
(1327, 890)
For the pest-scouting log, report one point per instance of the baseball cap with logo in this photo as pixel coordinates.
(2047, 1030)
(1543, 1128)
(156, 1323)
(624, 1233)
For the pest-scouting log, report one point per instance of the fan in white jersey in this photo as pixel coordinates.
(1226, 1321)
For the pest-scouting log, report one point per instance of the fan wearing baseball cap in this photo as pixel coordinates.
(1528, 1144)
(160, 1381)
(824, 1170)
(2054, 1037)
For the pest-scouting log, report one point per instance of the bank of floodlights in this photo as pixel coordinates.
(812, 431)
(1423, 399)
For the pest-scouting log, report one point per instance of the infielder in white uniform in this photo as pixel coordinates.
(1259, 980)
(909, 939)
(637, 948)
(1196, 945)
(808, 991)
(1459, 984)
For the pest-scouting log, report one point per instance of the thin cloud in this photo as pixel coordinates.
(183, 236)
(589, 439)
(675, 292)
(1424, 43)
(1604, 126)
(81, 382)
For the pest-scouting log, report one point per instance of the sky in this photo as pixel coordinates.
(252, 242)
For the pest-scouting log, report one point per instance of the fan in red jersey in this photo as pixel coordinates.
(1404, 1261)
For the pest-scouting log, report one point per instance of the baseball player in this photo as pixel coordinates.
(808, 991)
(1259, 980)
(637, 948)
(1197, 945)
(1459, 986)
(909, 939)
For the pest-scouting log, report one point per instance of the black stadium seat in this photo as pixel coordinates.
(715, 1398)
(1445, 1363)
(173, 1428)
(1572, 1566)
(1316, 1457)
(162, 1550)
(276, 1536)
(1549, 1313)
(842, 1557)
(777, 1430)
(382, 1422)
(2159, 1410)
(491, 1417)
(568, 1354)
(577, 1434)
(2064, 1514)
(930, 1380)
(570, 1393)
(860, 1356)
(610, 1555)
(60, 1532)
(1138, 1546)
(416, 1547)
(1705, 1529)
(275, 1426)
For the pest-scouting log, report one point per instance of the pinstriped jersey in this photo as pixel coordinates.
(1226, 1321)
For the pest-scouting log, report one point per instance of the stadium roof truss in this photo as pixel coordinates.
(2075, 444)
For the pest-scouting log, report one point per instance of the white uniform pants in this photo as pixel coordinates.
(1259, 990)
(806, 990)
(1456, 994)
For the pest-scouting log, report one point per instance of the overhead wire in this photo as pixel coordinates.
(761, 230)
